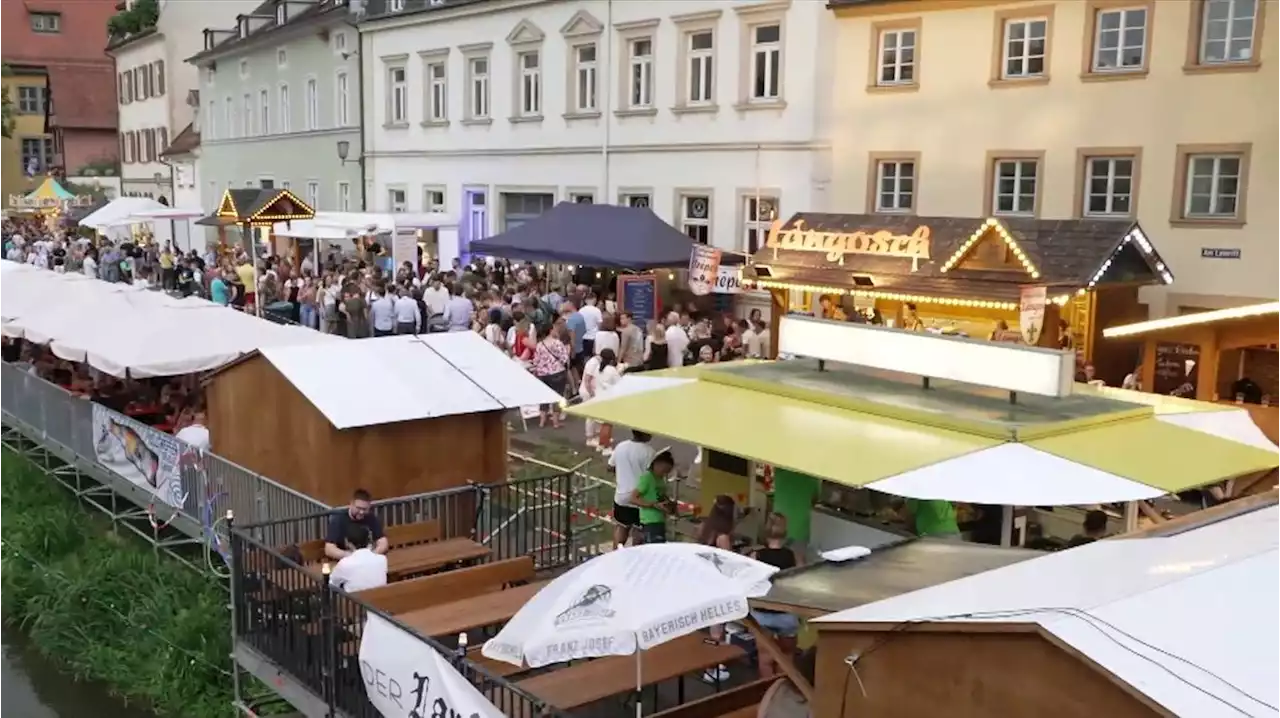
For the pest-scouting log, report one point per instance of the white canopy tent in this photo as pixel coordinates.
(113, 218)
(336, 226)
(173, 217)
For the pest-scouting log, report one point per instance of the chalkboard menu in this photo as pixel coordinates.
(1177, 369)
(638, 294)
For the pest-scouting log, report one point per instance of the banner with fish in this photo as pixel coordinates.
(147, 457)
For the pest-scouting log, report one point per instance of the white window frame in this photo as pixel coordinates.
(284, 112)
(246, 122)
(395, 5)
(636, 199)
(230, 114)
(1215, 176)
(1020, 165)
(344, 196)
(400, 205)
(282, 58)
(313, 194)
(212, 120)
(286, 184)
(754, 221)
(282, 12)
(688, 221)
(244, 69)
(397, 95)
(578, 197)
(339, 43)
(898, 65)
(1024, 58)
(437, 90)
(264, 110)
(428, 200)
(479, 88)
(312, 96)
(640, 74)
(1110, 175)
(1125, 14)
(586, 78)
(700, 77)
(530, 93)
(772, 54)
(341, 99)
(1202, 51)
(898, 193)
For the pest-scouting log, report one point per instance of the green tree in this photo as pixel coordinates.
(6, 125)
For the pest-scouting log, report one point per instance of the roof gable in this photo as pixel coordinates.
(525, 32)
(991, 247)
(582, 24)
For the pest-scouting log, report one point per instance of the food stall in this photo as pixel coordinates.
(256, 212)
(1008, 278)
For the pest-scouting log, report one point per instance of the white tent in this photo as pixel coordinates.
(119, 211)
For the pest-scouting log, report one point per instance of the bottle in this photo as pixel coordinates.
(462, 645)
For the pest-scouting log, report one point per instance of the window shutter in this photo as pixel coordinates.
(160, 78)
(124, 157)
(120, 88)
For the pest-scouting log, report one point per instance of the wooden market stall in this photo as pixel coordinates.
(255, 212)
(396, 416)
(1006, 278)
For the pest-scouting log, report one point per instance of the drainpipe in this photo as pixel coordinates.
(364, 148)
(608, 101)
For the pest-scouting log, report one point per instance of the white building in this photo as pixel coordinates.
(153, 84)
(494, 111)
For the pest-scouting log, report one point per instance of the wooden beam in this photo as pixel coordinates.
(1205, 517)
(765, 642)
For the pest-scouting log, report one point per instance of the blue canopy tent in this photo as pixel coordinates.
(595, 235)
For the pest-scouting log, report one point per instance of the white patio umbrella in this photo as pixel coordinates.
(630, 600)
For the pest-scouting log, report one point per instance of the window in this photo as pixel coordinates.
(635, 199)
(766, 62)
(586, 74)
(266, 183)
(264, 112)
(395, 5)
(340, 43)
(31, 100)
(478, 85)
(437, 92)
(1120, 40)
(284, 108)
(530, 84)
(342, 100)
(641, 64)
(282, 58)
(128, 87)
(1227, 31)
(758, 215)
(247, 118)
(344, 197)
(1213, 188)
(158, 71)
(702, 79)
(582, 197)
(897, 57)
(1014, 191)
(398, 97)
(695, 217)
(244, 69)
(46, 22)
(895, 185)
(286, 185)
(282, 13)
(313, 194)
(229, 109)
(210, 75)
(140, 83)
(396, 199)
(313, 104)
(1024, 48)
(433, 200)
(1108, 186)
(37, 154)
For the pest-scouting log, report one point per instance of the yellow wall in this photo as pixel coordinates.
(956, 117)
(12, 180)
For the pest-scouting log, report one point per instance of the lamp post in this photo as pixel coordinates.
(344, 152)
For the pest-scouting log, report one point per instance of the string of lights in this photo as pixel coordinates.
(192, 656)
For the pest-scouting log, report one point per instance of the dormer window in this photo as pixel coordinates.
(244, 27)
(208, 40)
(282, 13)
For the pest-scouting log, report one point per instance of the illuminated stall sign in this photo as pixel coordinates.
(835, 245)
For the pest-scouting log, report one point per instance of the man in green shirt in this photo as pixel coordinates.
(933, 518)
(649, 497)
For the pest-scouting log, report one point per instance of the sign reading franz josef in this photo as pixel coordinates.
(836, 245)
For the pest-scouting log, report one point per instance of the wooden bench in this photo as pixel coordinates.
(455, 585)
(397, 536)
(740, 702)
(498, 669)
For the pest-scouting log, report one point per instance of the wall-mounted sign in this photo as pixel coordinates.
(1031, 313)
(704, 266)
(836, 245)
(1219, 253)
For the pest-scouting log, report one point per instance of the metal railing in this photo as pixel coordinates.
(311, 630)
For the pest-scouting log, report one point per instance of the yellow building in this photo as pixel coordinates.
(27, 91)
(1164, 112)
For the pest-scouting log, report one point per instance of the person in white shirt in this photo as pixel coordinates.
(587, 392)
(591, 318)
(762, 339)
(362, 568)
(751, 342)
(408, 316)
(607, 337)
(90, 266)
(383, 312)
(436, 297)
(629, 460)
(196, 433)
(677, 341)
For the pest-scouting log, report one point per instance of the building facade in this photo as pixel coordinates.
(706, 111)
(1160, 112)
(279, 93)
(154, 85)
(51, 48)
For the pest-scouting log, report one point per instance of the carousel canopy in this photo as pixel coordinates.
(50, 189)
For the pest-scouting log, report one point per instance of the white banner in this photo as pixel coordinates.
(1031, 313)
(704, 268)
(406, 678)
(139, 453)
(728, 280)
(404, 248)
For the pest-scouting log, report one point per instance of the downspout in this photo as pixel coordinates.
(608, 101)
(364, 149)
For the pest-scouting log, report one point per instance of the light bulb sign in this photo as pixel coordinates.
(835, 245)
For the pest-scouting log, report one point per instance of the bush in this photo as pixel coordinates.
(107, 607)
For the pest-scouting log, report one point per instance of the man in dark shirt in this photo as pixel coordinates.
(1095, 527)
(358, 512)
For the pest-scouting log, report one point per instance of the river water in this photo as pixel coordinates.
(30, 687)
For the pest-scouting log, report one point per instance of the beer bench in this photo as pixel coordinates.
(739, 702)
(439, 588)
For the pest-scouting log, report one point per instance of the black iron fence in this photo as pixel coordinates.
(296, 620)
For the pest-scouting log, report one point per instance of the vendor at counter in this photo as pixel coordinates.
(931, 517)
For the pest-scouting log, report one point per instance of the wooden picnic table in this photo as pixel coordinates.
(590, 681)
(407, 560)
(476, 612)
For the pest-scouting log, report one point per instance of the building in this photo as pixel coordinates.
(280, 91)
(49, 49)
(1154, 111)
(707, 111)
(153, 86)
(183, 154)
